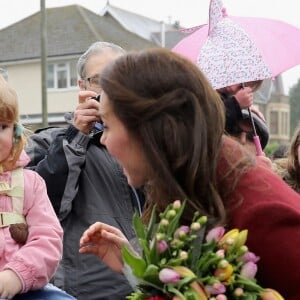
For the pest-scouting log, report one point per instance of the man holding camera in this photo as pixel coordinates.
(85, 184)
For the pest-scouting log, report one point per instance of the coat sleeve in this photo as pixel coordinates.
(58, 156)
(270, 210)
(37, 260)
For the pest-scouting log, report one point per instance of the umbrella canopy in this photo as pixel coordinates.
(232, 50)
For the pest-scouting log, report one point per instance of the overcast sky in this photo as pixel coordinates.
(188, 12)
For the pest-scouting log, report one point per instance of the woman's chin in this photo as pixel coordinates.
(135, 179)
(129, 179)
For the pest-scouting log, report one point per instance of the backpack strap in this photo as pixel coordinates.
(16, 192)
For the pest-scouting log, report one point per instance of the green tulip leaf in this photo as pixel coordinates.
(137, 264)
(139, 227)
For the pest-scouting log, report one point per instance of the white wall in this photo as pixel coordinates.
(25, 78)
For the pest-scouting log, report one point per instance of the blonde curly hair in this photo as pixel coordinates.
(9, 112)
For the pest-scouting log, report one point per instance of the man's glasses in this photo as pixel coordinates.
(94, 81)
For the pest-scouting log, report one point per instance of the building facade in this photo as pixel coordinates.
(70, 31)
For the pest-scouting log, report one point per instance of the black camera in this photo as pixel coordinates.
(97, 98)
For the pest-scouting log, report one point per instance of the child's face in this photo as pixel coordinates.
(6, 140)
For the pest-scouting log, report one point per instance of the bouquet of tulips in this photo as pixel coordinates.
(186, 262)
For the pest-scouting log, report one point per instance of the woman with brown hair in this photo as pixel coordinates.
(165, 124)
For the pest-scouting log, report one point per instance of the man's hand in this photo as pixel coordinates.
(10, 284)
(87, 112)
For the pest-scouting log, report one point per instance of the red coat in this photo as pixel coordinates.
(265, 205)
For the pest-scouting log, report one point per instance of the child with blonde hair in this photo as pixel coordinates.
(30, 233)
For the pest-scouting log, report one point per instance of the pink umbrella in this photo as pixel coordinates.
(233, 50)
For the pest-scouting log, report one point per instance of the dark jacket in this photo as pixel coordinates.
(85, 184)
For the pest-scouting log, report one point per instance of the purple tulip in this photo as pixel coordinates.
(168, 276)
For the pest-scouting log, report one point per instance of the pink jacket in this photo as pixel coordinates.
(37, 260)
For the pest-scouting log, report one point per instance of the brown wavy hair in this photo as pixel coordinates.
(168, 105)
(9, 113)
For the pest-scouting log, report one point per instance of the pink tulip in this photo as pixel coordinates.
(249, 256)
(249, 270)
(215, 289)
(176, 204)
(162, 246)
(168, 276)
(215, 234)
(181, 232)
(221, 253)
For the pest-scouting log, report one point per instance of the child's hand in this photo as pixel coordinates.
(244, 97)
(258, 113)
(10, 284)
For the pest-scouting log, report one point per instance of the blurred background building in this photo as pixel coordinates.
(70, 31)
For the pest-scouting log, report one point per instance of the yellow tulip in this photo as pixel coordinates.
(199, 289)
(270, 294)
(242, 238)
(224, 273)
(183, 271)
(229, 238)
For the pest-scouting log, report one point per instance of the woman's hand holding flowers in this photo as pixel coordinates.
(105, 241)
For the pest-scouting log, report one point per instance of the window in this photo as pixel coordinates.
(274, 122)
(62, 75)
(50, 77)
(284, 121)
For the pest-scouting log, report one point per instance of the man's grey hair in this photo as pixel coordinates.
(96, 48)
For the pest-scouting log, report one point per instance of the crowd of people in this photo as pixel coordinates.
(140, 137)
